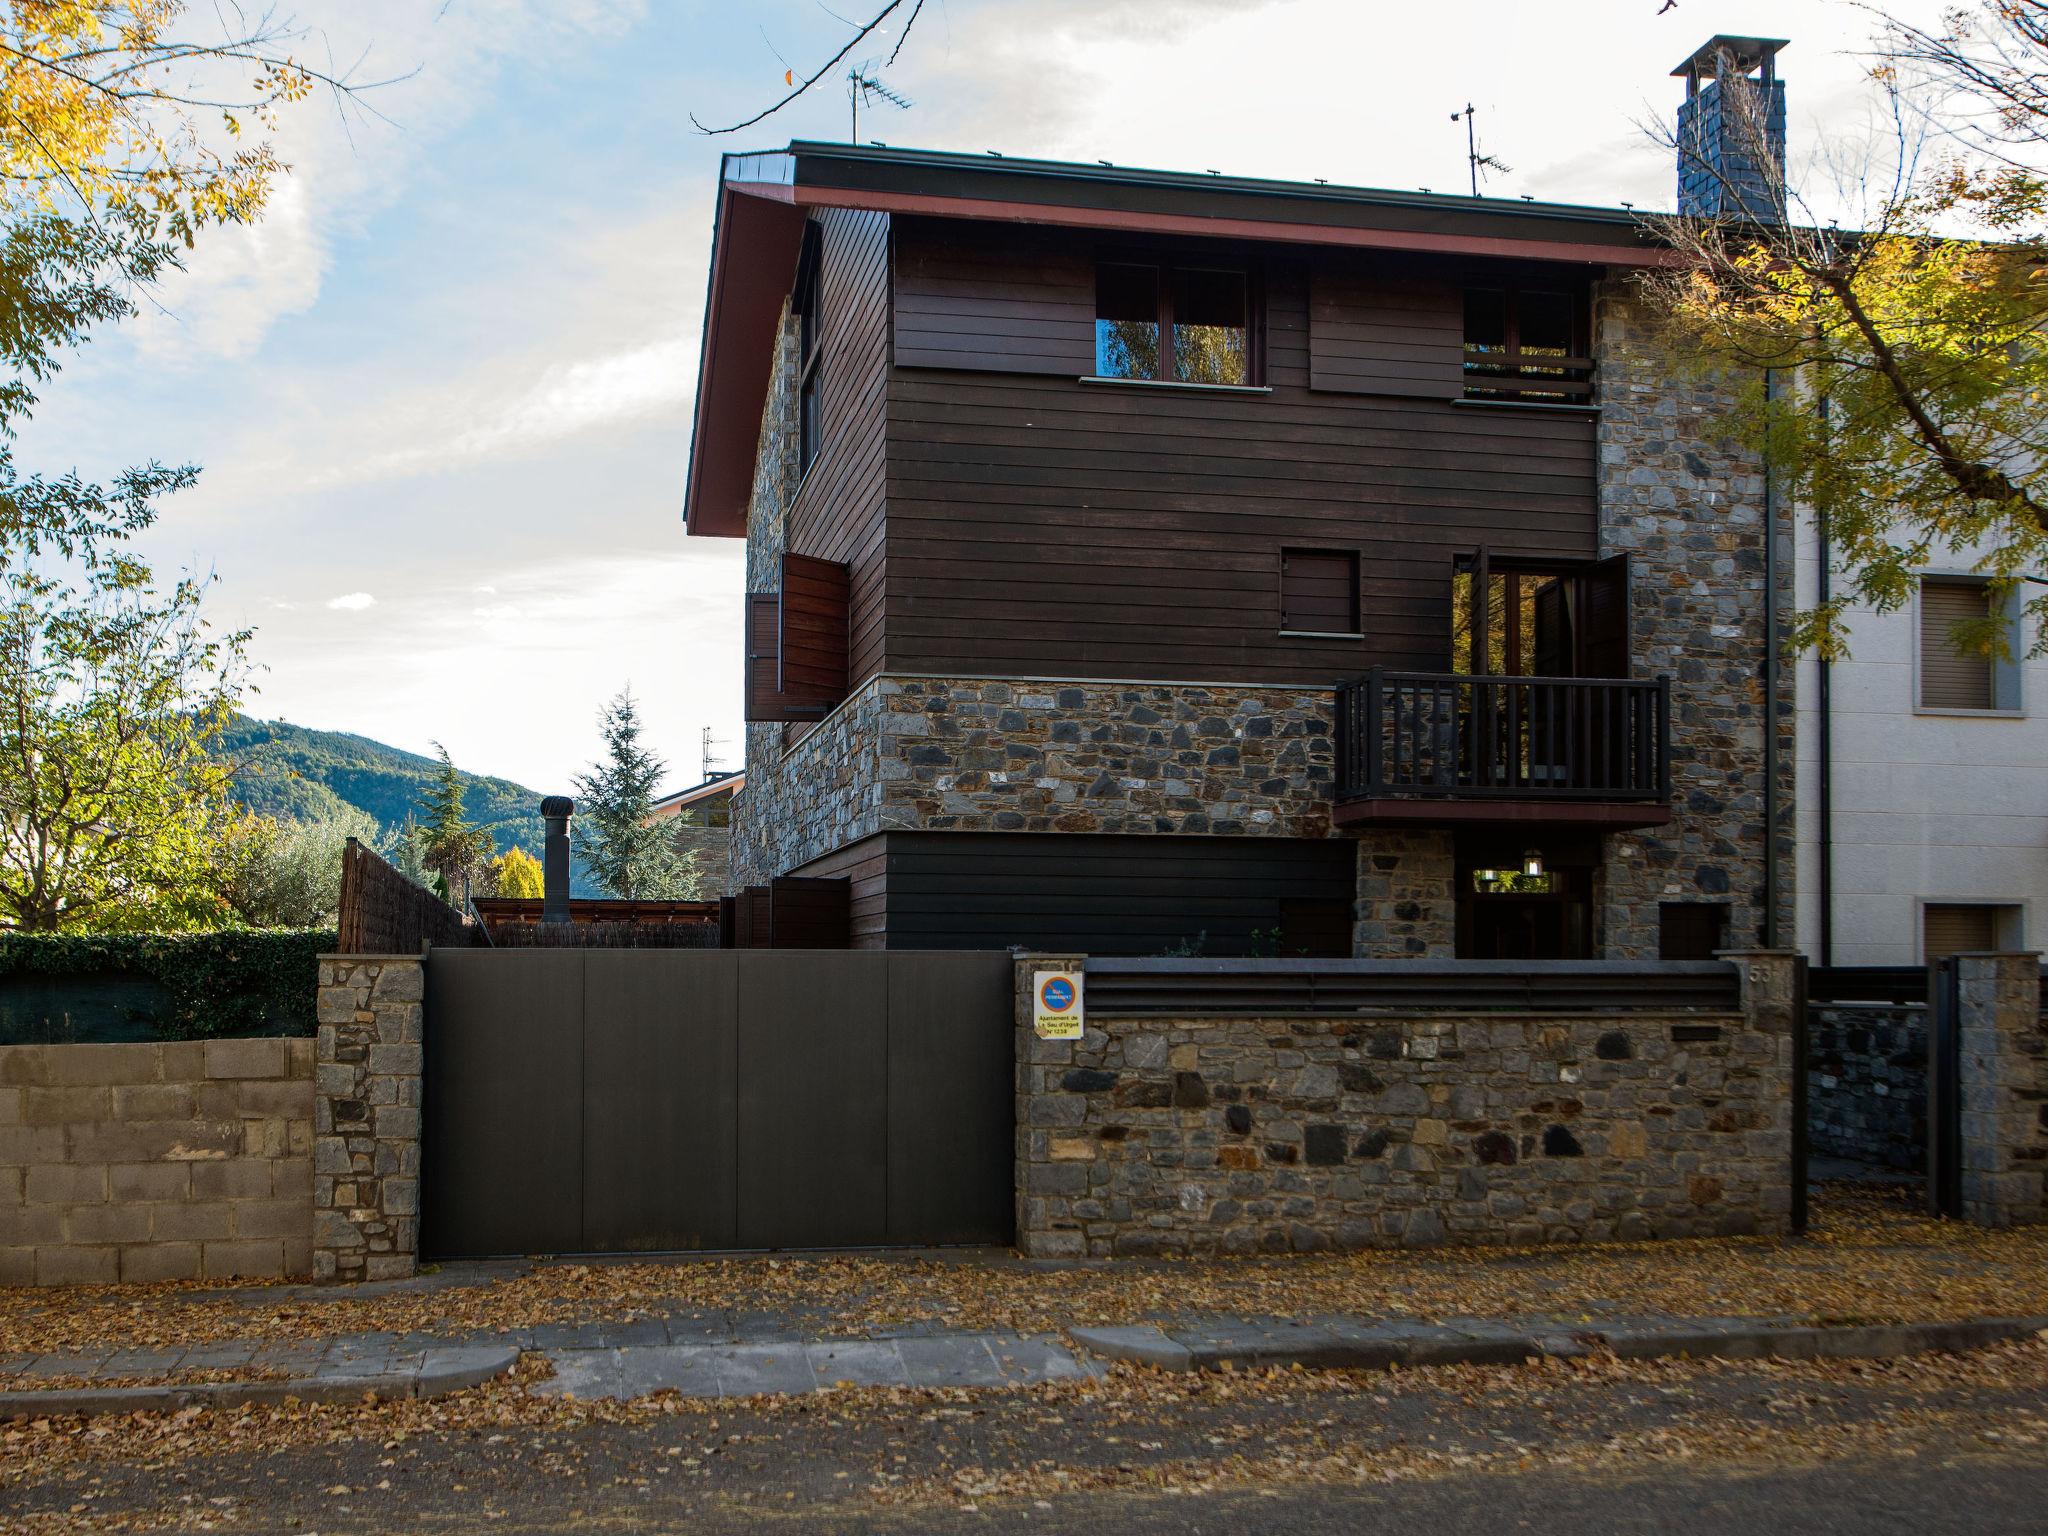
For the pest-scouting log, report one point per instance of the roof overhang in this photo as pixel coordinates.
(763, 200)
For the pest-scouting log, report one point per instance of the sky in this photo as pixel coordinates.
(441, 395)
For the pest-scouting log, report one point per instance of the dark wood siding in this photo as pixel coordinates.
(763, 641)
(1103, 895)
(1386, 327)
(837, 514)
(1043, 527)
(999, 298)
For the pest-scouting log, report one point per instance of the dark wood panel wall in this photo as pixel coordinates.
(1039, 526)
(1102, 895)
(838, 510)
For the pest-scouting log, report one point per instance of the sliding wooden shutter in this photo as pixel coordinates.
(1604, 646)
(764, 636)
(813, 635)
(1949, 678)
(1386, 329)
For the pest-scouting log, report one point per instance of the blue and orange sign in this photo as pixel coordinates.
(1057, 1010)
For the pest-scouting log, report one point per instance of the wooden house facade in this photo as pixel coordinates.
(1142, 562)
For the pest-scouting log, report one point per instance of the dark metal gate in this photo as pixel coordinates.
(1944, 1090)
(589, 1101)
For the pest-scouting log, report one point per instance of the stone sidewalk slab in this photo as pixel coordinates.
(337, 1377)
(1222, 1344)
(793, 1364)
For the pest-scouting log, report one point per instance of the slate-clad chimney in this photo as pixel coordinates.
(555, 812)
(1733, 99)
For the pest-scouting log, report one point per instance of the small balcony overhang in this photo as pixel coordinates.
(1450, 749)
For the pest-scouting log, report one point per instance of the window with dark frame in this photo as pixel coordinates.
(1691, 930)
(810, 350)
(1319, 592)
(1173, 324)
(1529, 344)
(1952, 676)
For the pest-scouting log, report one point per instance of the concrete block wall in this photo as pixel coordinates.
(183, 1160)
(1240, 1134)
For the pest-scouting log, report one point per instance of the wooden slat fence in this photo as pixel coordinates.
(384, 913)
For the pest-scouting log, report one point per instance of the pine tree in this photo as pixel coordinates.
(451, 848)
(631, 855)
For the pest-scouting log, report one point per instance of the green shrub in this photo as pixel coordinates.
(238, 982)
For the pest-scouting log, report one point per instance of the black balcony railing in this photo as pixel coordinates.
(1448, 736)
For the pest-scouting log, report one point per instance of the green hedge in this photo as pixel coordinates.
(246, 982)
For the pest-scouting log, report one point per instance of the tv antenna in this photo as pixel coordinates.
(710, 752)
(1481, 164)
(865, 88)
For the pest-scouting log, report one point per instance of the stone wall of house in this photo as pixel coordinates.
(1866, 1084)
(762, 816)
(366, 1117)
(1241, 1134)
(184, 1160)
(1687, 505)
(1407, 896)
(2003, 1076)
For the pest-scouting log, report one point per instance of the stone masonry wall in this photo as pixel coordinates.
(184, 1160)
(2003, 1076)
(1407, 896)
(1239, 1134)
(366, 1151)
(1866, 1076)
(1687, 506)
(761, 814)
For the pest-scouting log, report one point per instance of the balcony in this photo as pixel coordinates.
(1443, 749)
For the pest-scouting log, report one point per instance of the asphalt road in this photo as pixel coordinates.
(1950, 1445)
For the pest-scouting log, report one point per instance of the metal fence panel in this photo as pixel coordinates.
(660, 1036)
(952, 1087)
(502, 1152)
(813, 1098)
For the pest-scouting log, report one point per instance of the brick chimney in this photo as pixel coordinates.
(1731, 130)
(555, 812)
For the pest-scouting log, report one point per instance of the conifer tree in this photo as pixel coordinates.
(631, 855)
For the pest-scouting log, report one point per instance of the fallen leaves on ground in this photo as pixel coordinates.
(1871, 1256)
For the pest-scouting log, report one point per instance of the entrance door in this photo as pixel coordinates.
(1508, 912)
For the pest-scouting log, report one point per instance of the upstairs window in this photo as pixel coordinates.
(1179, 325)
(1957, 668)
(1527, 344)
(805, 302)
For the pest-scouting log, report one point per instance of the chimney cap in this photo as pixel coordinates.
(558, 805)
(1748, 53)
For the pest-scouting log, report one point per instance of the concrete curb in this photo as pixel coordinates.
(1235, 1344)
(440, 1372)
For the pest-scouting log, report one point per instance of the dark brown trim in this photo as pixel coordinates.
(1469, 813)
(1241, 229)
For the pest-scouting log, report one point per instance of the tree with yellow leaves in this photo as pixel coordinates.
(1895, 376)
(517, 873)
(124, 134)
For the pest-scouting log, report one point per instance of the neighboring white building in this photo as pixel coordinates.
(1923, 784)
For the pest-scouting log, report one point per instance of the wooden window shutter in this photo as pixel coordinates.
(1390, 329)
(1604, 649)
(1319, 591)
(1949, 679)
(1691, 930)
(763, 697)
(812, 653)
(1958, 929)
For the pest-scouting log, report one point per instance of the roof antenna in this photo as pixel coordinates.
(1481, 164)
(864, 87)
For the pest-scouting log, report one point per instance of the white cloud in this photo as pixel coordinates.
(352, 602)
